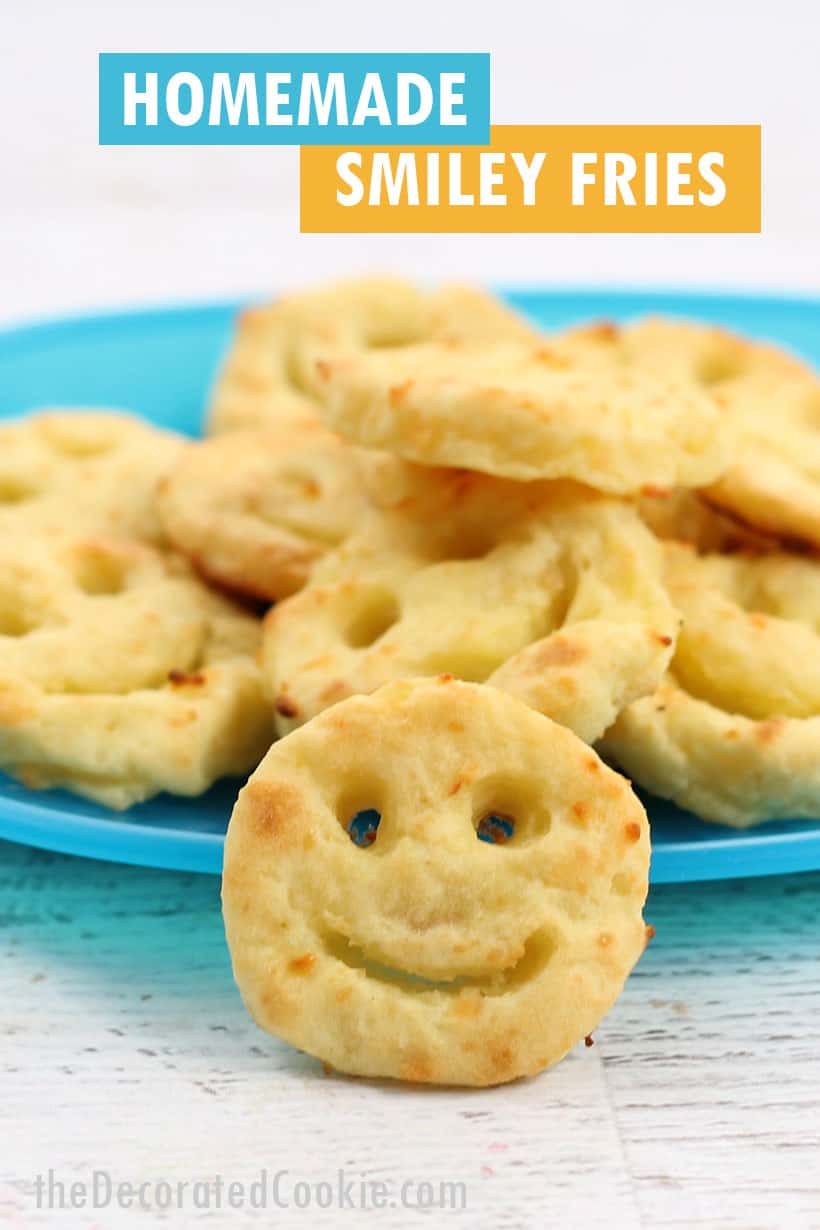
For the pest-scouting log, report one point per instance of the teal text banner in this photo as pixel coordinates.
(327, 98)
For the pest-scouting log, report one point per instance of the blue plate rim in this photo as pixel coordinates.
(99, 838)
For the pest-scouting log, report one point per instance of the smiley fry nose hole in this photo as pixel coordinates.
(495, 828)
(378, 612)
(363, 826)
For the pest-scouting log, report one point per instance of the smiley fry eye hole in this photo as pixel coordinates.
(509, 811)
(495, 828)
(15, 490)
(719, 364)
(376, 615)
(363, 826)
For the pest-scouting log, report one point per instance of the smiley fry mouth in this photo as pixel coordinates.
(538, 951)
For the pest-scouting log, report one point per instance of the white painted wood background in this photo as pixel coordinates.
(123, 1044)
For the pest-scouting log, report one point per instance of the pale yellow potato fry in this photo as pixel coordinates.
(431, 955)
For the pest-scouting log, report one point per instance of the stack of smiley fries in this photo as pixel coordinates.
(615, 524)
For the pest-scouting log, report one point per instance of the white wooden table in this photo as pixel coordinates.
(126, 1051)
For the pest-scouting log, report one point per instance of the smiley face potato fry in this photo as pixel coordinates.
(430, 955)
(526, 411)
(121, 674)
(548, 591)
(268, 379)
(733, 732)
(83, 470)
(769, 400)
(255, 511)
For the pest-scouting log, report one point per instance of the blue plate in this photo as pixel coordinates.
(160, 363)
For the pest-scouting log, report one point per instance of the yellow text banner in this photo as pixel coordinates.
(570, 179)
